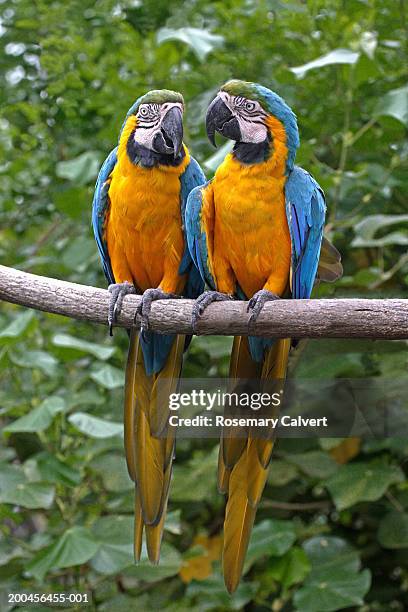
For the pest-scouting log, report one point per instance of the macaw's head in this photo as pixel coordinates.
(260, 122)
(154, 129)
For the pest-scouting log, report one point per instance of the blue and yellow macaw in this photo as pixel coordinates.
(255, 232)
(138, 217)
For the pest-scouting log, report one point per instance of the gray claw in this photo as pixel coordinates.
(117, 293)
(204, 300)
(257, 302)
(145, 306)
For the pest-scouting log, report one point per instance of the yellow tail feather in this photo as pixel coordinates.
(244, 480)
(239, 520)
(149, 457)
(138, 528)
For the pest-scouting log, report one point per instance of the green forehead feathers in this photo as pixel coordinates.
(160, 96)
(243, 88)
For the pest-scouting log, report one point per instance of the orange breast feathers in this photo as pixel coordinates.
(251, 235)
(143, 226)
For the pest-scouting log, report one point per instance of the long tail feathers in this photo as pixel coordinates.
(150, 441)
(242, 475)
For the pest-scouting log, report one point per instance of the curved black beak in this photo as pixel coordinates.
(172, 130)
(220, 119)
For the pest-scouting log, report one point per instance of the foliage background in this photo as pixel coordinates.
(332, 530)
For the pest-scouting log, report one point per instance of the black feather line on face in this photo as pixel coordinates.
(140, 155)
(253, 153)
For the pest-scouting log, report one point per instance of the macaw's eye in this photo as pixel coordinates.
(249, 106)
(143, 111)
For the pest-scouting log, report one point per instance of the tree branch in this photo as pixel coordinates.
(338, 318)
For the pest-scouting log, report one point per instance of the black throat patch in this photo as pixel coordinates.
(253, 153)
(142, 156)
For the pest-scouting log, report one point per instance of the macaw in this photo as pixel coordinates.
(255, 232)
(138, 217)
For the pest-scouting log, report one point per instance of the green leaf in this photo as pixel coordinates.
(357, 482)
(200, 41)
(327, 594)
(281, 473)
(83, 346)
(393, 530)
(94, 426)
(366, 229)
(17, 327)
(331, 553)
(394, 104)
(190, 481)
(79, 253)
(112, 468)
(270, 538)
(334, 581)
(315, 464)
(391, 238)
(211, 594)
(80, 170)
(338, 56)
(109, 377)
(290, 569)
(70, 199)
(217, 347)
(115, 535)
(87, 397)
(124, 603)
(40, 418)
(29, 495)
(170, 564)
(9, 550)
(11, 476)
(76, 546)
(36, 360)
(45, 466)
(173, 522)
(368, 43)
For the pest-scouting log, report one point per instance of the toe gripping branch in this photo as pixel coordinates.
(203, 301)
(257, 302)
(117, 291)
(145, 306)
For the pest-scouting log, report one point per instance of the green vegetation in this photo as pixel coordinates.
(332, 530)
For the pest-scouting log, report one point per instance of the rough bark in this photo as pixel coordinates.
(326, 318)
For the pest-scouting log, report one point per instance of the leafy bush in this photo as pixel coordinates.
(332, 529)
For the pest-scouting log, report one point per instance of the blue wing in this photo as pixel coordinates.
(198, 238)
(305, 211)
(192, 178)
(100, 207)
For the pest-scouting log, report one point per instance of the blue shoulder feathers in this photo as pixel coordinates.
(100, 207)
(306, 211)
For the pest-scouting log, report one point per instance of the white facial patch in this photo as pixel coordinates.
(149, 118)
(250, 116)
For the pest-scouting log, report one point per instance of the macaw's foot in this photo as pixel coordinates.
(145, 306)
(201, 303)
(257, 302)
(117, 293)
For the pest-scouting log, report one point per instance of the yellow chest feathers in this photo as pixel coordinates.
(248, 198)
(251, 233)
(144, 195)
